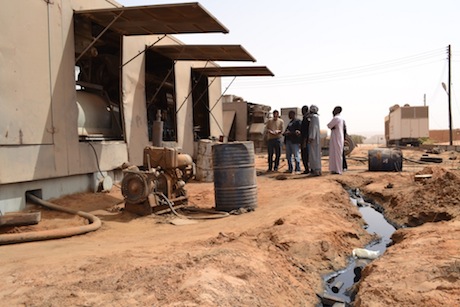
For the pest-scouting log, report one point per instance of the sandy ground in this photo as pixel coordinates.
(276, 255)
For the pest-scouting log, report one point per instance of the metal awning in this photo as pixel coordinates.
(234, 71)
(156, 19)
(204, 52)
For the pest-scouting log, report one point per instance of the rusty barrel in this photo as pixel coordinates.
(385, 159)
(234, 171)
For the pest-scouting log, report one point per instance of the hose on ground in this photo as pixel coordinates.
(214, 214)
(416, 161)
(94, 224)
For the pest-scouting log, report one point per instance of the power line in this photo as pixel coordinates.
(346, 73)
(329, 78)
(393, 62)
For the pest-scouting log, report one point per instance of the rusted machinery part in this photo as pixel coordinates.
(94, 224)
(214, 214)
(349, 145)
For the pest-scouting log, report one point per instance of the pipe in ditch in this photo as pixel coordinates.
(337, 286)
(94, 224)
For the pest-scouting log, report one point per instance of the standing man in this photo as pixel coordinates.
(336, 142)
(304, 132)
(344, 164)
(293, 138)
(273, 130)
(314, 137)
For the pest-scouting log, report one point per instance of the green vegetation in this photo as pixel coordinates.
(426, 140)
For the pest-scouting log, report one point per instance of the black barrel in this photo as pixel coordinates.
(385, 159)
(234, 176)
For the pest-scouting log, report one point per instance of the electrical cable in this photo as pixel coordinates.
(97, 160)
(97, 164)
(323, 79)
(360, 71)
(215, 214)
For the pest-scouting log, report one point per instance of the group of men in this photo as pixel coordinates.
(302, 141)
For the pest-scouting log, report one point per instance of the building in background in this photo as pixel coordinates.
(245, 121)
(83, 81)
(443, 136)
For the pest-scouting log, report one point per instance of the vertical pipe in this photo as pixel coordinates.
(157, 131)
(449, 95)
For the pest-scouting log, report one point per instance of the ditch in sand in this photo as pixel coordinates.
(301, 230)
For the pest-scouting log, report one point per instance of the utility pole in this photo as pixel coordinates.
(449, 57)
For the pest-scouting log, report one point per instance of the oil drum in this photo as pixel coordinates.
(204, 170)
(385, 159)
(234, 172)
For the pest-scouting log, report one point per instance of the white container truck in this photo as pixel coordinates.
(406, 125)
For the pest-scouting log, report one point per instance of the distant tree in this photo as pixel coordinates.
(426, 140)
(357, 139)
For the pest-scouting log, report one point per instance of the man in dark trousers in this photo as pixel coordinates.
(304, 132)
(273, 131)
(344, 158)
(293, 138)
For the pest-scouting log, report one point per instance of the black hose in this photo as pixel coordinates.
(215, 214)
(416, 161)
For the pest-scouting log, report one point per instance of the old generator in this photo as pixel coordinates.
(159, 185)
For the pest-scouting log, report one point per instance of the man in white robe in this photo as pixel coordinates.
(336, 142)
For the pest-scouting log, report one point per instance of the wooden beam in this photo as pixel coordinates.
(20, 218)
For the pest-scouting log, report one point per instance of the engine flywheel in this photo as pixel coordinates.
(135, 187)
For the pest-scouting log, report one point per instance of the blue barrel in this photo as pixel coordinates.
(385, 159)
(234, 171)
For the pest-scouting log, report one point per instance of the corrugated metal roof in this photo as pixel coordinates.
(156, 19)
(204, 52)
(234, 71)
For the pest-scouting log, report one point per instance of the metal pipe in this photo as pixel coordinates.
(336, 287)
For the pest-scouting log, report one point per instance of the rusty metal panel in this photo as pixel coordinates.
(156, 19)
(204, 52)
(25, 98)
(421, 112)
(414, 112)
(229, 118)
(407, 112)
(235, 71)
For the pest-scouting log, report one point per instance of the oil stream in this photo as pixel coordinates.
(340, 285)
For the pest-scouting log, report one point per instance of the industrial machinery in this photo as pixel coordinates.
(348, 144)
(406, 125)
(244, 121)
(159, 184)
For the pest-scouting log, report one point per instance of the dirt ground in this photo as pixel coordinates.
(277, 255)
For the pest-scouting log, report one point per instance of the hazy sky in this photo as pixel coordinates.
(365, 55)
